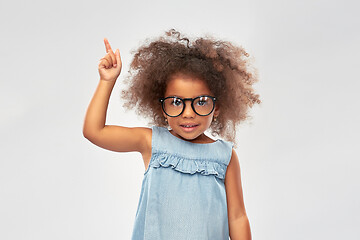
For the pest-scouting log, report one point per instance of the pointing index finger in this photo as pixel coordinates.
(107, 45)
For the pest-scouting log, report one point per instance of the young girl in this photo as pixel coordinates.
(191, 187)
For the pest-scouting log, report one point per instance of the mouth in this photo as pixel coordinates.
(188, 127)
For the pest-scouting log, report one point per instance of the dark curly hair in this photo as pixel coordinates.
(223, 66)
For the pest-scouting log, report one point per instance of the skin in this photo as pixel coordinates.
(125, 139)
(184, 86)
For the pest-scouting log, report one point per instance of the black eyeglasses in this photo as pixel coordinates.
(175, 106)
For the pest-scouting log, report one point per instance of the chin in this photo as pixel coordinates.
(190, 136)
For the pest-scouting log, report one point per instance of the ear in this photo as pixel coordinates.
(163, 113)
(216, 111)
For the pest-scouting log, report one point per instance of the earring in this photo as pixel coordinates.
(215, 119)
(166, 120)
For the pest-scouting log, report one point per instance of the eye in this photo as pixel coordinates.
(176, 102)
(202, 101)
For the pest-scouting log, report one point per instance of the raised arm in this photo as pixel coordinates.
(114, 138)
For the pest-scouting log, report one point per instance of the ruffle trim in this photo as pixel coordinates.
(204, 167)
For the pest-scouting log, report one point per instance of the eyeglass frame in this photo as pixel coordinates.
(161, 100)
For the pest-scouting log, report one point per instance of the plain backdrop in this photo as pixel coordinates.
(299, 153)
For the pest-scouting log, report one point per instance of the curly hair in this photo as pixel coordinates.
(223, 66)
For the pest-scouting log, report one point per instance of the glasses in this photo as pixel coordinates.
(175, 106)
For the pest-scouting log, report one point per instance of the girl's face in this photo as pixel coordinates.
(184, 86)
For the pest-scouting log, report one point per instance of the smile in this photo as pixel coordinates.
(188, 127)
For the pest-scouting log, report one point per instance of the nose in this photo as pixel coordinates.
(188, 111)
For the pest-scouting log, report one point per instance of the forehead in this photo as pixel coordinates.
(186, 87)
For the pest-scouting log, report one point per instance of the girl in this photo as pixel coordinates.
(191, 187)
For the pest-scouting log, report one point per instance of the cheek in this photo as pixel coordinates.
(206, 121)
(171, 120)
(209, 120)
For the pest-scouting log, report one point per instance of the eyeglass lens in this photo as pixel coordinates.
(203, 105)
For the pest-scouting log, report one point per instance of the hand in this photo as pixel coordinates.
(110, 65)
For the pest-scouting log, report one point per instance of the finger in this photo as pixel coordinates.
(113, 58)
(117, 54)
(109, 59)
(107, 45)
(104, 63)
(110, 52)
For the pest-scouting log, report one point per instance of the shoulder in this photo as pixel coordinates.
(145, 135)
(152, 136)
(233, 168)
(234, 156)
(229, 150)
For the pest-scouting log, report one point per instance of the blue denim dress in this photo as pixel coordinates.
(183, 194)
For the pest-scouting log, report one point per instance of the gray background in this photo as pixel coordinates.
(298, 154)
